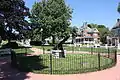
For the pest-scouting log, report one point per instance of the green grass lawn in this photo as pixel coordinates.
(19, 49)
(73, 63)
(70, 48)
(101, 50)
(22, 50)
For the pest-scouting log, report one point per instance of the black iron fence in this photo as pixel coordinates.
(77, 61)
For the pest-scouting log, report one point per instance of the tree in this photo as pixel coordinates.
(92, 25)
(74, 31)
(2, 32)
(118, 9)
(104, 32)
(12, 17)
(53, 16)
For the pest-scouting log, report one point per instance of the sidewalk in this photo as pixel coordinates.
(40, 51)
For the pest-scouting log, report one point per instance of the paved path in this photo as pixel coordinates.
(8, 73)
(40, 51)
(36, 51)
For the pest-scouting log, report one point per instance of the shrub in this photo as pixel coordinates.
(36, 43)
(12, 45)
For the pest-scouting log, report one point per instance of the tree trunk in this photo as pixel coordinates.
(9, 36)
(53, 40)
(9, 40)
(9, 44)
(0, 40)
(13, 59)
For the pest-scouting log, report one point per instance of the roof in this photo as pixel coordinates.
(117, 25)
(95, 30)
(85, 31)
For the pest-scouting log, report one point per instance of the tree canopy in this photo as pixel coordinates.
(104, 32)
(118, 9)
(12, 16)
(92, 25)
(53, 16)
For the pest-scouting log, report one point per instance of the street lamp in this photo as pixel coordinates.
(41, 34)
(41, 40)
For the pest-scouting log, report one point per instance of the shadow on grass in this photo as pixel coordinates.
(12, 45)
(30, 63)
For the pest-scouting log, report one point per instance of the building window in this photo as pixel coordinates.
(86, 39)
(91, 39)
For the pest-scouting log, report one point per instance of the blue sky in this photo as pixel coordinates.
(91, 11)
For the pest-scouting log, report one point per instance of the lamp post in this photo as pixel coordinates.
(73, 41)
(41, 34)
(41, 40)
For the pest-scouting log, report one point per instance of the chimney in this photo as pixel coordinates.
(84, 24)
(118, 20)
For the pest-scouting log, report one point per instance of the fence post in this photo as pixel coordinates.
(13, 59)
(43, 50)
(108, 52)
(98, 61)
(115, 55)
(50, 63)
(26, 50)
(92, 50)
(72, 48)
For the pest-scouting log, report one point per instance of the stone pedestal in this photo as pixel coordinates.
(106, 46)
(118, 46)
(58, 53)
